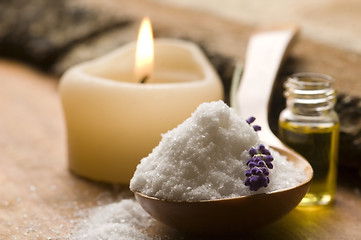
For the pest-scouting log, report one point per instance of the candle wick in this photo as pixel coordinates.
(144, 79)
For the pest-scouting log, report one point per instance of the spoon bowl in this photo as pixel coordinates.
(231, 215)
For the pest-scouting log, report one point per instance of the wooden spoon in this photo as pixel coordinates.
(247, 213)
(265, 53)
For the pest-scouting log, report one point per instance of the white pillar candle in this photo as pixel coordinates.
(113, 121)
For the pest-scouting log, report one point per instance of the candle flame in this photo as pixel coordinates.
(144, 52)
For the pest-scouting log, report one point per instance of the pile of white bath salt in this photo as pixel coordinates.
(116, 221)
(205, 158)
(122, 220)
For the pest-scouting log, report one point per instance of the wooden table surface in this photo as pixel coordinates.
(39, 197)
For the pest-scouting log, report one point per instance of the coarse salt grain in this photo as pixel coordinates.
(205, 158)
(124, 220)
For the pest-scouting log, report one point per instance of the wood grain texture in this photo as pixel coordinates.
(39, 197)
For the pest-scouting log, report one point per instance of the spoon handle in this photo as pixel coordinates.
(265, 53)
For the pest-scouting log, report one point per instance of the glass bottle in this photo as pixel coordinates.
(310, 126)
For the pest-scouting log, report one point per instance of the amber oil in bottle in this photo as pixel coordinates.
(310, 126)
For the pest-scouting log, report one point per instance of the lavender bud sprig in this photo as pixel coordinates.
(255, 127)
(259, 164)
(250, 120)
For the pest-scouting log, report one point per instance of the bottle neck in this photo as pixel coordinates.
(310, 94)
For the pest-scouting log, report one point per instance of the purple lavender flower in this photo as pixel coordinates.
(251, 120)
(257, 128)
(259, 164)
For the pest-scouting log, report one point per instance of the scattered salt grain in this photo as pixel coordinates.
(205, 158)
(123, 220)
(53, 187)
(32, 188)
(115, 221)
